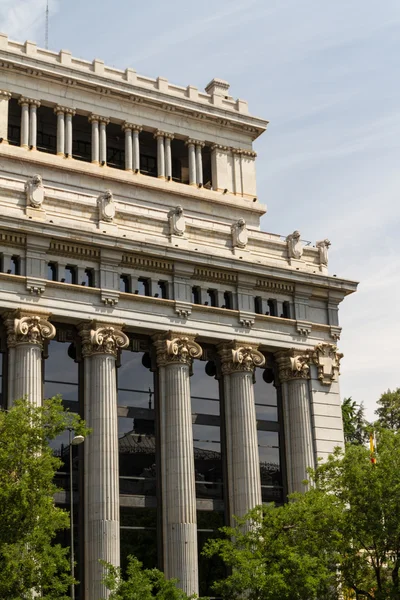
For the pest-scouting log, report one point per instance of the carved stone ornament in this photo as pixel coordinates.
(236, 357)
(327, 359)
(294, 245)
(176, 348)
(177, 223)
(323, 247)
(102, 339)
(29, 329)
(34, 191)
(293, 364)
(240, 235)
(106, 205)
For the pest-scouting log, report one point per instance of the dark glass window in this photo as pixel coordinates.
(144, 286)
(70, 275)
(258, 305)
(210, 569)
(88, 278)
(124, 284)
(148, 165)
(196, 294)
(228, 300)
(162, 290)
(52, 271)
(14, 122)
(139, 535)
(212, 298)
(272, 306)
(286, 310)
(15, 265)
(61, 373)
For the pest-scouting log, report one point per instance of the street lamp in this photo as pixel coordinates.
(73, 441)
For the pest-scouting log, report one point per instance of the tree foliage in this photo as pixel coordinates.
(141, 584)
(388, 411)
(355, 426)
(31, 564)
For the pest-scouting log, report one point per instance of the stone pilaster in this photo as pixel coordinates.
(4, 101)
(26, 333)
(294, 371)
(100, 345)
(238, 361)
(175, 352)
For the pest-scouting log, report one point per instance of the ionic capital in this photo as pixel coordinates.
(28, 328)
(162, 134)
(239, 357)
(191, 142)
(327, 359)
(131, 126)
(175, 347)
(104, 120)
(293, 364)
(102, 338)
(4, 95)
(64, 110)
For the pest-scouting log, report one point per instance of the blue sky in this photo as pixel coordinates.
(326, 76)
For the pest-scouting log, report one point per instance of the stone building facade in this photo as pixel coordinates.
(136, 282)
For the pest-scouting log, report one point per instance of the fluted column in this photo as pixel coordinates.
(238, 361)
(94, 120)
(192, 161)
(199, 163)
(294, 375)
(127, 128)
(26, 333)
(69, 113)
(168, 156)
(4, 106)
(100, 344)
(24, 102)
(159, 135)
(59, 110)
(34, 105)
(103, 140)
(136, 148)
(175, 353)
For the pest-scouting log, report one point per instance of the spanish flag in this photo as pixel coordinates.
(372, 447)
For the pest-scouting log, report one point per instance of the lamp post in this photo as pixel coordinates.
(73, 441)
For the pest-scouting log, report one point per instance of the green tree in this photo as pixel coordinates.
(388, 411)
(288, 552)
(31, 564)
(141, 584)
(355, 426)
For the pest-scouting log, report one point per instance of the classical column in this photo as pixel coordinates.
(34, 105)
(168, 156)
(294, 370)
(238, 360)
(199, 163)
(69, 113)
(24, 102)
(4, 106)
(175, 352)
(94, 120)
(100, 344)
(26, 333)
(192, 161)
(136, 149)
(103, 140)
(159, 135)
(59, 110)
(127, 128)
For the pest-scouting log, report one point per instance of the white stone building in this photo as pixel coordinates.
(136, 282)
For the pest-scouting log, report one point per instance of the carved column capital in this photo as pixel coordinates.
(174, 347)
(4, 95)
(239, 357)
(102, 338)
(293, 364)
(28, 328)
(327, 359)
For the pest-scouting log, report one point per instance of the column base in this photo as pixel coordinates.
(61, 154)
(95, 162)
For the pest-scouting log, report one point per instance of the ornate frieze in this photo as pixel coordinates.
(239, 357)
(176, 348)
(23, 328)
(293, 364)
(102, 338)
(34, 191)
(327, 359)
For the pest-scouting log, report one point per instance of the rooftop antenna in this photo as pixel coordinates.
(46, 41)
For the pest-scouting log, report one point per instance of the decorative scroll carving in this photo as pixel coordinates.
(323, 247)
(101, 338)
(294, 245)
(240, 235)
(34, 191)
(293, 364)
(177, 223)
(28, 329)
(176, 348)
(106, 205)
(236, 357)
(327, 359)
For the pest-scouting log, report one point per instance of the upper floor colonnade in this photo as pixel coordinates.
(71, 133)
(174, 352)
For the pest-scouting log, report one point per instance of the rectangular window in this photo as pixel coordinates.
(52, 271)
(70, 275)
(272, 306)
(124, 284)
(228, 300)
(89, 278)
(258, 305)
(212, 298)
(196, 294)
(144, 286)
(15, 265)
(162, 290)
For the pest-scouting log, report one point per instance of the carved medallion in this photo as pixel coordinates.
(34, 191)
(240, 235)
(177, 223)
(327, 359)
(106, 205)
